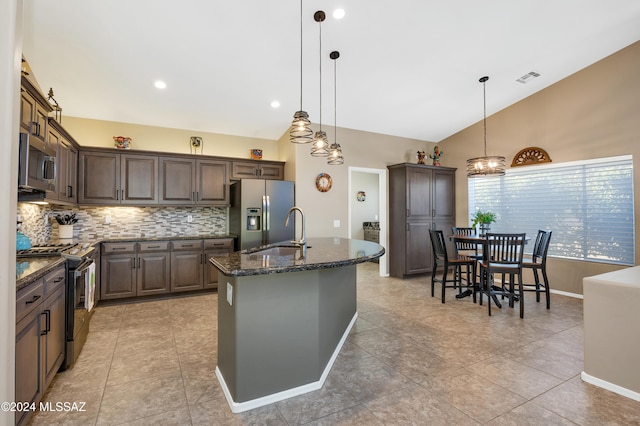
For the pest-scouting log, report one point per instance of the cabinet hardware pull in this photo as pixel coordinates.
(433, 212)
(197, 195)
(193, 196)
(153, 247)
(33, 299)
(58, 279)
(138, 263)
(69, 191)
(408, 212)
(118, 248)
(48, 313)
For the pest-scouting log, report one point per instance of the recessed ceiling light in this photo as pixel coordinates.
(275, 104)
(338, 13)
(160, 84)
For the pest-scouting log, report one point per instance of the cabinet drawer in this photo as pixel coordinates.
(28, 299)
(108, 248)
(219, 243)
(153, 246)
(53, 280)
(187, 245)
(372, 235)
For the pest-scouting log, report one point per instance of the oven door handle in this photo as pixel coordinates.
(82, 268)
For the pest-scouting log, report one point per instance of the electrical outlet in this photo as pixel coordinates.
(229, 294)
(336, 223)
(107, 219)
(189, 218)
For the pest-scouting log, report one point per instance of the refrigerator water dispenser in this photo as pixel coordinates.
(253, 218)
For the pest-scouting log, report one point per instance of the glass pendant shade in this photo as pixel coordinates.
(335, 155)
(320, 146)
(300, 131)
(487, 166)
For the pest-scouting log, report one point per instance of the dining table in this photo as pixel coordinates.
(481, 242)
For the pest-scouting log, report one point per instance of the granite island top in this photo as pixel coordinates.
(29, 269)
(321, 253)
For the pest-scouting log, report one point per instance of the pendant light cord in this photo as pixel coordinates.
(335, 103)
(484, 96)
(320, 65)
(300, 55)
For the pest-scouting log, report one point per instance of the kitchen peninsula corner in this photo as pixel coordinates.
(283, 315)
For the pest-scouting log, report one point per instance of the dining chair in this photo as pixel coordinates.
(465, 247)
(504, 256)
(442, 258)
(538, 262)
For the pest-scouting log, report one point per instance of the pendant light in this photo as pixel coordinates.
(487, 166)
(320, 146)
(335, 150)
(300, 131)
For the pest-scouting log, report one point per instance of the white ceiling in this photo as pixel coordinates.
(407, 68)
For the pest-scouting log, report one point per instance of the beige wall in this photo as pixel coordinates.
(593, 113)
(99, 133)
(360, 149)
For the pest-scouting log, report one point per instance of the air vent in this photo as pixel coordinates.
(527, 76)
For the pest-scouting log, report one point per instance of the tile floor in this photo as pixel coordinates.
(408, 360)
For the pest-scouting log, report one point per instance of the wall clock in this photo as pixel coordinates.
(323, 182)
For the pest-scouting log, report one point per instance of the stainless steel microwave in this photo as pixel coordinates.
(37, 166)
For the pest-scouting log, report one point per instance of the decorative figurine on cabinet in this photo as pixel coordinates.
(436, 155)
(421, 156)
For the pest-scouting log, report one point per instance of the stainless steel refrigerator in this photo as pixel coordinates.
(258, 210)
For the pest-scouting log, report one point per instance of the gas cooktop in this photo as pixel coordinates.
(44, 250)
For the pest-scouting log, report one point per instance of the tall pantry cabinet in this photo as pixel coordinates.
(420, 198)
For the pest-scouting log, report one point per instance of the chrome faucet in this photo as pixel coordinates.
(302, 242)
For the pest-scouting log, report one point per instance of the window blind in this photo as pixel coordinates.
(587, 204)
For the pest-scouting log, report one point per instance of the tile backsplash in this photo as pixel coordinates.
(39, 224)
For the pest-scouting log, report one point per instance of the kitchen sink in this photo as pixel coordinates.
(277, 251)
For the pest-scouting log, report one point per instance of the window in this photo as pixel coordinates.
(587, 204)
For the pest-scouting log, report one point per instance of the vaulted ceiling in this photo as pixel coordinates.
(407, 68)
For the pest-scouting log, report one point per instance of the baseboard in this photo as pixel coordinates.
(566, 293)
(239, 407)
(610, 386)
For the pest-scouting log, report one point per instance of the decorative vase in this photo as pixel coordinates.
(484, 229)
(65, 231)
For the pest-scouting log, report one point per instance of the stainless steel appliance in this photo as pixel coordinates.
(258, 210)
(37, 165)
(80, 298)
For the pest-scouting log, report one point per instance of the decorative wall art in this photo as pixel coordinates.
(421, 156)
(361, 196)
(529, 156)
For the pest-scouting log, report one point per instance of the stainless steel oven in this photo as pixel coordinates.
(80, 299)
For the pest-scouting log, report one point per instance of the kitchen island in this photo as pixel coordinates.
(283, 315)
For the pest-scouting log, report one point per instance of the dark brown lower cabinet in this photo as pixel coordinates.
(40, 338)
(214, 248)
(118, 276)
(143, 268)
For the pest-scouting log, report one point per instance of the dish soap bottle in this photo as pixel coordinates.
(22, 241)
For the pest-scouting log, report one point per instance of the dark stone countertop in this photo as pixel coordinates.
(30, 269)
(321, 253)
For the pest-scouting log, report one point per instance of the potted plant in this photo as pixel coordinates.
(484, 219)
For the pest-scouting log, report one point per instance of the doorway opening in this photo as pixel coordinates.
(368, 203)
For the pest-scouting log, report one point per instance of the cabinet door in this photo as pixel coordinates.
(53, 309)
(444, 196)
(418, 251)
(153, 276)
(72, 175)
(177, 180)
(139, 179)
(62, 172)
(118, 276)
(418, 194)
(28, 365)
(27, 112)
(243, 170)
(212, 181)
(54, 141)
(186, 270)
(271, 171)
(99, 181)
